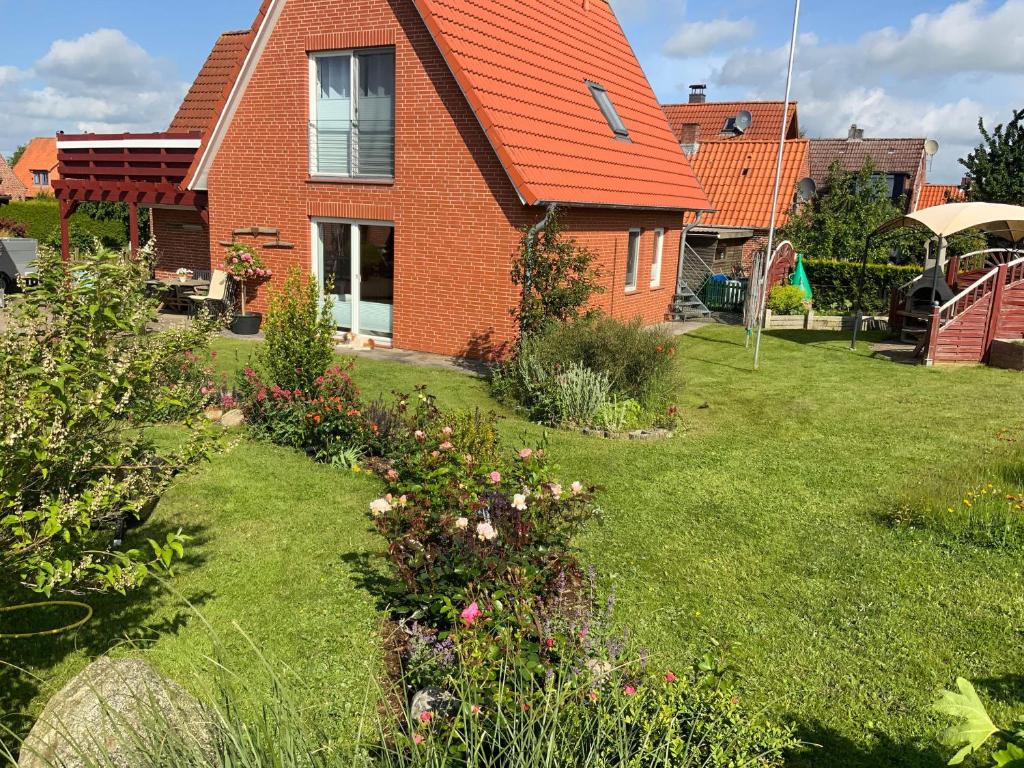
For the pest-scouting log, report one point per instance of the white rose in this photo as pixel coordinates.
(519, 502)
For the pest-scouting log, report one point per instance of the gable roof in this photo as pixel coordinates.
(39, 155)
(10, 185)
(940, 194)
(888, 155)
(524, 67)
(711, 117)
(739, 178)
(205, 99)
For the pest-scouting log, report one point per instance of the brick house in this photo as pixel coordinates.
(37, 166)
(11, 187)
(398, 148)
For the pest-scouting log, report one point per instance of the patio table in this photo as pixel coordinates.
(173, 291)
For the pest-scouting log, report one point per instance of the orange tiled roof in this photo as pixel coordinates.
(940, 194)
(39, 155)
(523, 65)
(711, 117)
(205, 98)
(739, 178)
(10, 185)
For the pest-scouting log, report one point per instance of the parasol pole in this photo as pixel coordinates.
(778, 183)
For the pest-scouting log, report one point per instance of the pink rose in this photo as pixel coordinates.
(629, 690)
(495, 477)
(525, 453)
(471, 614)
(447, 431)
(669, 677)
(446, 446)
(417, 739)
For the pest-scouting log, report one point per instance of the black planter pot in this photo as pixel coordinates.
(247, 324)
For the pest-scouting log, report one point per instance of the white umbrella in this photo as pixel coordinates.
(1005, 221)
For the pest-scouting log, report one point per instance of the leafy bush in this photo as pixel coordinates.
(557, 277)
(835, 284)
(76, 363)
(12, 228)
(619, 415)
(41, 218)
(579, 394)
(973, 728)
(787, 300)
(299, 333)
(182, 381)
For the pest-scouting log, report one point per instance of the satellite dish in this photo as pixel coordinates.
(931, 147)
(805, 189)
(743, 120)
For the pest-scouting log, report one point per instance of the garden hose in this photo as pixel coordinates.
(48, 632)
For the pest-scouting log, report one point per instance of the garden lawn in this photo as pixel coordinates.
(757, 529)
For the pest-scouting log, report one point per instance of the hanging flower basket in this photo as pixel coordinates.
(244, 264)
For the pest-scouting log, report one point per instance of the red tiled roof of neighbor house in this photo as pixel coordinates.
(940, 194)
(39, 155)
(739, 178)
(888, 156)
(205, 98)
(711, 117)
(10, 185)
(524, 67)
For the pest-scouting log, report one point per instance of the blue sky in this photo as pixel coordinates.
(896, 67)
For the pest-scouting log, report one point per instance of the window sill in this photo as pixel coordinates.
(375, 180)
(631, 291)
(658, 287)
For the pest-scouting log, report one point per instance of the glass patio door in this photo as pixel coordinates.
(356, 269)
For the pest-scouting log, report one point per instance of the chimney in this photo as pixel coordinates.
(856, 134)
(689, 138)
(698, 93)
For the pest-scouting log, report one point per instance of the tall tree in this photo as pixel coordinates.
(16, 156)
(996, 166)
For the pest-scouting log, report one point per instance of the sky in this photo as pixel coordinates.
(894, 67)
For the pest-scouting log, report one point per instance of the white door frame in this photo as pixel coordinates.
(317, 264)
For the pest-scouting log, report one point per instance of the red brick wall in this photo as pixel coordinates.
(456, 215)
(181, 241)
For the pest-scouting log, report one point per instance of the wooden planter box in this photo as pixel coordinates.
(813, 322)
(1007, 353)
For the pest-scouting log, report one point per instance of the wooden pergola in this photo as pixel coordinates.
(142, 170)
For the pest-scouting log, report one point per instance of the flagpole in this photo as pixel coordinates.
(759, 318)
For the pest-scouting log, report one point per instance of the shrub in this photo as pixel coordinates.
(299, 333)
(182, 382)
(76, 364)
(557, 277)
(41, 219)
(787, 300)
(579, 394)
(835, 284)
(619, 415)
(12, 228)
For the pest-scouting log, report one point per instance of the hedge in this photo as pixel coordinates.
(41, 218)
(835, 285)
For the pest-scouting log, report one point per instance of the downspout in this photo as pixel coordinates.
(677, 301)
(531, 238)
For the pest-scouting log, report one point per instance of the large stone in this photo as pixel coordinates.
(107, 711)
(234, 418)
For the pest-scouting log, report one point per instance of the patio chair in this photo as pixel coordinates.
(216, 299)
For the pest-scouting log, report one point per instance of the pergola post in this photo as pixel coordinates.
(67, 208)
(133, 228)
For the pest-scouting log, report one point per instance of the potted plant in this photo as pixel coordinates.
(184, 273)
(243, 263)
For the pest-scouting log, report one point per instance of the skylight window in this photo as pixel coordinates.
(611, 114)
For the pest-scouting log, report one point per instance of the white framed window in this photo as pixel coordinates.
(659, 249)
(352, 113)
(632, 259)
(41, 178)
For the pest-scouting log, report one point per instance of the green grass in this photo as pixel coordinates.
(759, 528)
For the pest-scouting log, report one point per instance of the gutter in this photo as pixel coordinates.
(531, 238)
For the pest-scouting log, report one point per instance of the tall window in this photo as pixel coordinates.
(41, 178)
(632, 259)
(352, 126)
(659, 248)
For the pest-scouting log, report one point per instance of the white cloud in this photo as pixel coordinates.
(933, 78)
(698, 38)
(102, 81)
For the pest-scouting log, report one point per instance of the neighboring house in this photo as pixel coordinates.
(739, 179)
(700, 120)
(399, 148)
(940, 194)
(903, 163)
(37, 166)
(11, 187)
